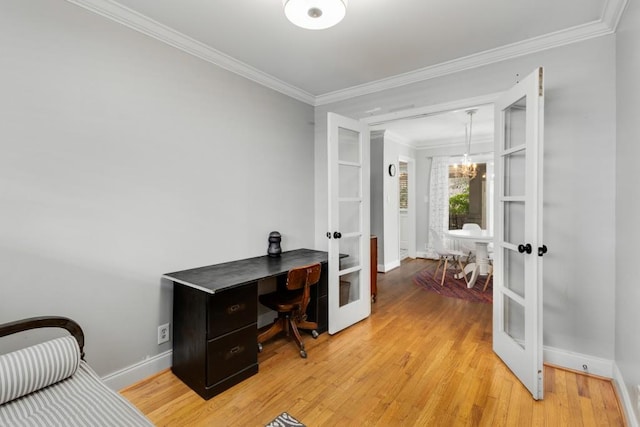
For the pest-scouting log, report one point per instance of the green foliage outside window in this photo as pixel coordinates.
(459, 204)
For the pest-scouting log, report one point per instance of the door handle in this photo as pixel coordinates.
(542, 250)
(337, 235)
(328, 234)
(524, 248)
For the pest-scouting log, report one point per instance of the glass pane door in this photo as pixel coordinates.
(349, 280)
(517, 316)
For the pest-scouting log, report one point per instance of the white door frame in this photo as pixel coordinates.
(430, 110)
(411, 203)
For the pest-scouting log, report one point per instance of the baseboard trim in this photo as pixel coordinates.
(577, 362)
(383, 268)
(138, 371)
(623, 395)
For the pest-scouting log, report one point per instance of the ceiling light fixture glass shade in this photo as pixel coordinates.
(315, 14)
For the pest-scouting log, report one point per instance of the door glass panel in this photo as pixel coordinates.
(350, 217)
(348, 145)
(349, 288)
(514, 173)
(515, 124)
(514, 320)
(514, 271)
(514, 222)
(349, 246)
(349, 181)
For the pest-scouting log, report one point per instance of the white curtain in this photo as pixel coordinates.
(438, 200)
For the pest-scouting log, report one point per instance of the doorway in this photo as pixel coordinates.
(415, 139)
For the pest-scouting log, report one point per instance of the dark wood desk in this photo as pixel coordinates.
(215, 311)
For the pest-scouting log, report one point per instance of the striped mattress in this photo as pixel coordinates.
(80, 400)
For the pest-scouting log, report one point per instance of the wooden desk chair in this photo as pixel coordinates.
(291, 305)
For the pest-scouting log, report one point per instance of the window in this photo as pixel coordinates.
(404, 186)
(469, 198)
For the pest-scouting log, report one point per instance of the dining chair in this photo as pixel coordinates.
(445, 255)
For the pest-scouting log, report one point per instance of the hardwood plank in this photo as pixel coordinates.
(420, 359)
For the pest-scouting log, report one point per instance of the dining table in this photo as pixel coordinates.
(481, 239)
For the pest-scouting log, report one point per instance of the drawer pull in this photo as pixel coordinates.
(233, 308)
(235, 350)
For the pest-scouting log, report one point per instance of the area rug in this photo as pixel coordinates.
(285, 420)
(454, 288)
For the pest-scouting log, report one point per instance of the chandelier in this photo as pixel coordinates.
(467, 168)
(315, 14)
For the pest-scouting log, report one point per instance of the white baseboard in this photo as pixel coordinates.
(421, 255)
(138, 371)
(577, 361)
(597, 366)
(623, 392)
(383, 268)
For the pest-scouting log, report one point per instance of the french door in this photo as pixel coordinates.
(517, 295)
(348, 225)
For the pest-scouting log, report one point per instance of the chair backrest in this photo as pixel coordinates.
(438, 244)
(298, 277)
(303, 277)
(467, 245)
(471, 226)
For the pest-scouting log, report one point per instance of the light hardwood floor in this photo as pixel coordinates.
(419, 360)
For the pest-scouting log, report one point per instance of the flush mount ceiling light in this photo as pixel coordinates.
(315, 14)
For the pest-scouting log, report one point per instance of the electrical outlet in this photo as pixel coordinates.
(163, 333)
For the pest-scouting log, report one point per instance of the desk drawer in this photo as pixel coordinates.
(231, 353)
(232, 309)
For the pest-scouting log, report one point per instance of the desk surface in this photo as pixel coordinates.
(219, 277)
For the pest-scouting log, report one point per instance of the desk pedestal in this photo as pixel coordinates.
(214, 337)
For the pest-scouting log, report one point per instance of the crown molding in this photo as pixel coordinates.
(138, 22)
(114, 11)
(606, 25)
(612, 13)
(427, 144)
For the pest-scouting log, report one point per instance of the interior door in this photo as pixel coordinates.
(517, 298)
(349, 230)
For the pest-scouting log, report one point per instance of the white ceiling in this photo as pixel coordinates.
(379, 44)
(444, 129)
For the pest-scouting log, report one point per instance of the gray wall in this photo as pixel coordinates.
(377, 191)
(385, 193)
(627, 201)
(579, 205)
(123, 159)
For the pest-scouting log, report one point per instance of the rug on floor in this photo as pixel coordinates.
(454, 288)
(285, 420)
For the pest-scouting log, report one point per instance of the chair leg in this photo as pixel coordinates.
(486, 283)
(277, 326)
(462, 271)
(297, 337)
(308, 326)
(435, 274)
(444, 271)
